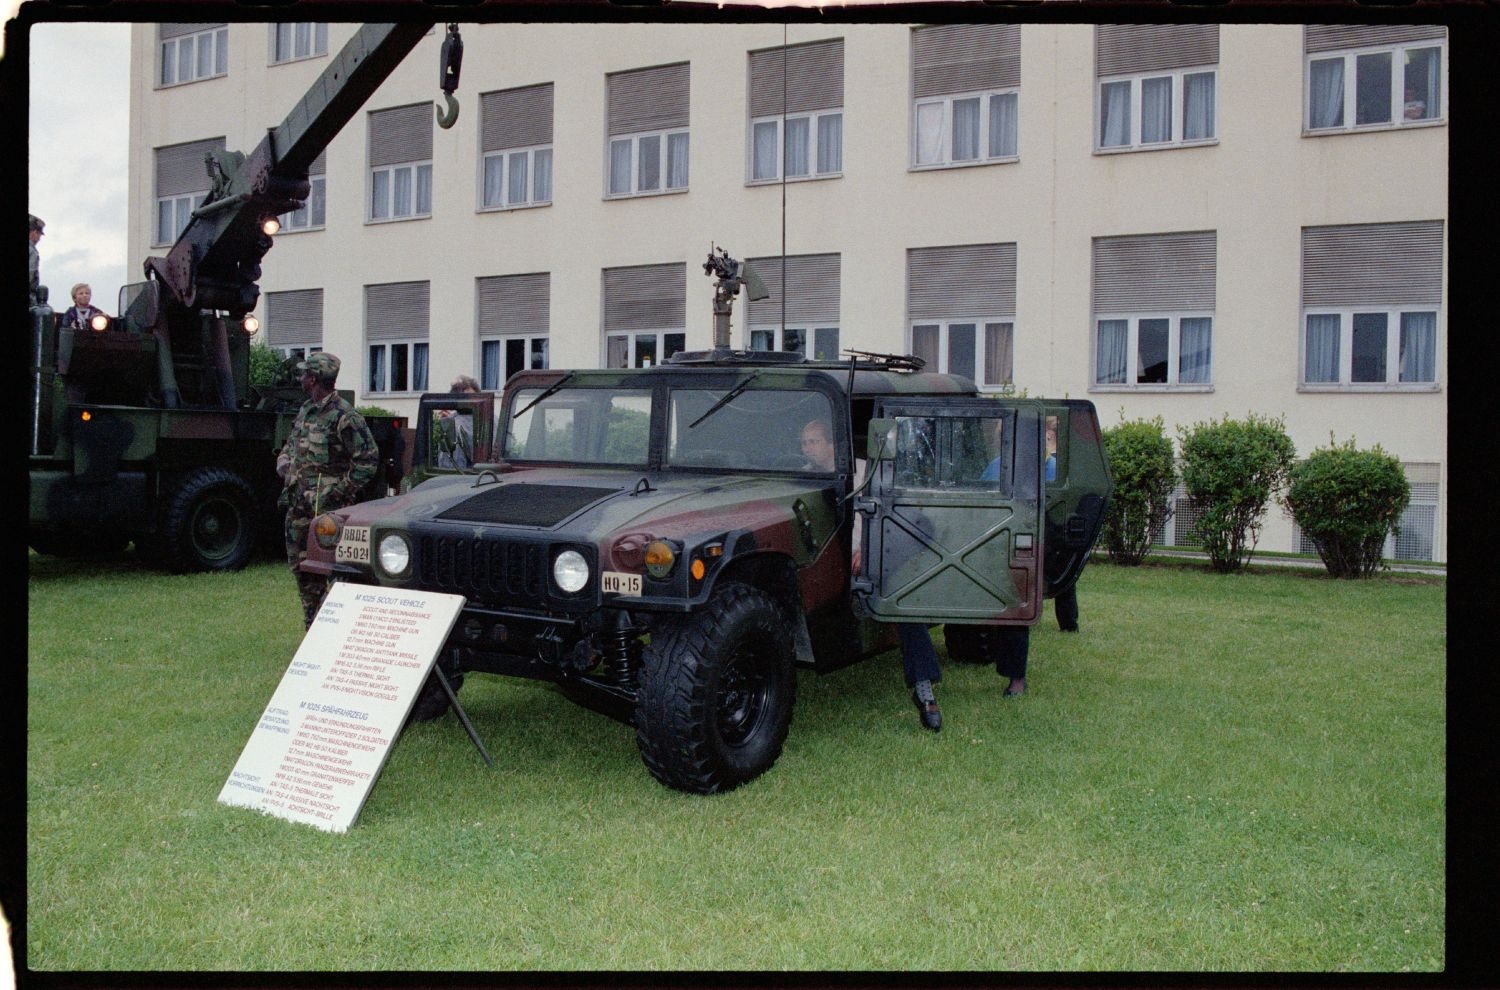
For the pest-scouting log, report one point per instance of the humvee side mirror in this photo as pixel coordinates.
(880, 445)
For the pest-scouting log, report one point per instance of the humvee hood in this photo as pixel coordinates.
(522, 503)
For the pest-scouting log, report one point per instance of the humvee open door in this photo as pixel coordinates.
(953, 512)
(454, 432)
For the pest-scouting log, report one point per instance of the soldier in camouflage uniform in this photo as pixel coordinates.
(327, 460)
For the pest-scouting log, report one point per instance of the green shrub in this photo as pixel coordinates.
(374, 411)
(1141, 463)
(1347, 501)
(1231, 470)
(268, 369)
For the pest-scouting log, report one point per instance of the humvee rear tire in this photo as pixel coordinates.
(209, 523)
(716, 692)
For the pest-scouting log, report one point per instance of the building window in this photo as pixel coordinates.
(397, 323)
(400, 157)
(647, 148)
(644, 314)
(182, 185)
(801, 312)
(1372, 77)
(514, 314)
(797, 111)
(190, 52)
(1157, 85)
(293, 41)
(966, 93)
(515, 135)
(1154, 300)
(1371, 306)
(1166, 349)
(313, 214)
(294, 322)
(961, 303)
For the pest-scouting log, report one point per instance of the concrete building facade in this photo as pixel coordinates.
(1184, 221)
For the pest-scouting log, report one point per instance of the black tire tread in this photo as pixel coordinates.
(176, 543)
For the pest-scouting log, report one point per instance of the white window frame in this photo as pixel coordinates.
(944, 360)
(530, 342)
(1392, 381)
(1137, 81)
(392, 171)
(182, 207)
(809, 333)
(633, 336)
(1350, 57)
(1133, 347)
(317, 203)
(815, 122)
(386, 384)
(305, 40)
(298, 351)
(169, 52)
(504, 159)
(946, 135)
(664, 163)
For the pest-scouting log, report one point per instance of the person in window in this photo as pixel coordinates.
(919, 660)
(453, 429)
(82, 310)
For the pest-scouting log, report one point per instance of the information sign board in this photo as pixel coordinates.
(329, 727)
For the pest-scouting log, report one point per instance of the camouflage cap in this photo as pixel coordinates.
(322, 364)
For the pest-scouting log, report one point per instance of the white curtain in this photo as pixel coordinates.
(999, 368)
(1322, 358)
(1197, 106)
(619, 171)
(924, 344)
(763, 165)
(830, 143)
(965, 130)
(929, 133)
(377, 368)
(401, 197)
(494, 173)
(489, 364)
(1194, 353)
(517, 184)
(1325, 97)
(1114, 114)
(1003, 125)
(677, 161)
(543, 162)
(648, 164)
(1109, 366)
(1418, 347)
(617, 352)
(1156, 109)
(796, 146)
(419, 367)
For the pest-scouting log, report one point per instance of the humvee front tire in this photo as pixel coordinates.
(209, 523)
(715, 693)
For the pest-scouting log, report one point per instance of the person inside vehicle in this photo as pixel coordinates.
(82, 310)
(919, 660)
(453, 429)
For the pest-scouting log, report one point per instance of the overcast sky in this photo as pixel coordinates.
(79, 121)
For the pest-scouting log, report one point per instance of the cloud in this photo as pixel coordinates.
(78, 145)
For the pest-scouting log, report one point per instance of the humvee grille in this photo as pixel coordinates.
(485, 571)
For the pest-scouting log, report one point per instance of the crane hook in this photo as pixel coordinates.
(447, 118)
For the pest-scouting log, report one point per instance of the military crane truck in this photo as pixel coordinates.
(144, 427)
(655, 543)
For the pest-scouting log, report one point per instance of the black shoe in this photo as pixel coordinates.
(1072, 628)
(932, 715)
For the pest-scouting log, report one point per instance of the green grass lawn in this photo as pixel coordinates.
(1218, 773)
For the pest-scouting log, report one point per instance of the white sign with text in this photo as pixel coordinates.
(323, 739)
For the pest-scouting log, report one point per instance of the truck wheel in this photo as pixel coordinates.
(966, 644)
(209, 523)
(716, 693)
(432, 701)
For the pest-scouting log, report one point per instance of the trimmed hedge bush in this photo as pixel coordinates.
(268, 369)
(1348, 501)
(1141, 463)
(1231, 470)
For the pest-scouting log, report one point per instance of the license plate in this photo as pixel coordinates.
(354, 545)
(616, 583)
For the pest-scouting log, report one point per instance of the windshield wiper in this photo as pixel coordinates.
(550, 391)
(743, 384)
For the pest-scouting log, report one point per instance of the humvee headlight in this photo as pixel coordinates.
(570, 571)
(659, 558)
(394, 553)
(99, 323)
(326, 529)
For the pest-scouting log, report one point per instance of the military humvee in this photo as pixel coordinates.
(653, 541)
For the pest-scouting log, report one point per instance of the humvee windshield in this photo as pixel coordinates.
(581, 425)
(756, 430)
